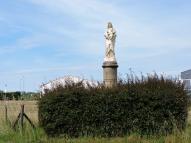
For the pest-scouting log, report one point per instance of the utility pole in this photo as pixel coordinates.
(5, 98)
(5, 90)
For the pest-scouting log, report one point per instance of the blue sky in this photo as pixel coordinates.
(41, 40)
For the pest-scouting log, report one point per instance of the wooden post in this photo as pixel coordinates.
(21, 118)
(22, 115)
(29, 121)
(6, 116)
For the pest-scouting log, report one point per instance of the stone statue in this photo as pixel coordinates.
(110, 36)
(110, 64)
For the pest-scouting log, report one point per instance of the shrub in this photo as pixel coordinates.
(148, 105)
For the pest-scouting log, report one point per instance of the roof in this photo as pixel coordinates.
(64, 80)
(186, 74)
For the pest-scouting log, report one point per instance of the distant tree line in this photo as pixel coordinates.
(10, 95)
(18, 95)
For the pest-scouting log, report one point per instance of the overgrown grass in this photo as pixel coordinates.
(7, 135)
(27, 135)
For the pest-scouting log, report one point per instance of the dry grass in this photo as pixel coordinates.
(14, 107)
(189, 116)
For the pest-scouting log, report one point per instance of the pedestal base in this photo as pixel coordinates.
(110, 73)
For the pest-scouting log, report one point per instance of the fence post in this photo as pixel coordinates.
(21, 118)
(6, 116)
(22, 115)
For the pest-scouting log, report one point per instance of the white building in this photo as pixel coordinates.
(63, 81)
(186, 78)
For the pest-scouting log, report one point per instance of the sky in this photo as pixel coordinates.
(41, 40)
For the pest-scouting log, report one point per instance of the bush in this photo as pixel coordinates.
(150, 105)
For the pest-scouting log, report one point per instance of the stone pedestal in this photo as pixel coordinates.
(110, 73)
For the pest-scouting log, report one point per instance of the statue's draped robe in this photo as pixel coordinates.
(110, 36)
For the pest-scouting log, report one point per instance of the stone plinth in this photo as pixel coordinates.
(110, 73)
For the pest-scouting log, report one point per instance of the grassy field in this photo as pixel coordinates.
(7, 135)
(14, 108)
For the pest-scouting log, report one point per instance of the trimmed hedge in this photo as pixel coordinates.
(151, 105)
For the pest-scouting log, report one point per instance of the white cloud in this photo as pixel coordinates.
(41, 70)
(24, 43)
(91, 18)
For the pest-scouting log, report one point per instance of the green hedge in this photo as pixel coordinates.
(151, 105)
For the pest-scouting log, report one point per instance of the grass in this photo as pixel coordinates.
(28, 135)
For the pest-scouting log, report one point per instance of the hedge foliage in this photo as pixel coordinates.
(146, 105)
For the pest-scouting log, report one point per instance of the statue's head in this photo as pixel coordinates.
(109, 25)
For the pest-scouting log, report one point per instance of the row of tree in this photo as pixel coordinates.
(18, 95)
